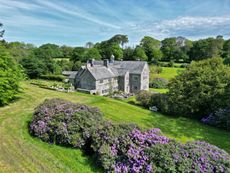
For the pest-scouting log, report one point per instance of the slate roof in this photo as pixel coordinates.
(115, 69)
(102, 72)
(134, 67)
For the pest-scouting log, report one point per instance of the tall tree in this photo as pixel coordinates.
(10, 75)
(78, 54)
(66, 51)
(33, 67)
(170, 48)
(206, 48)
(226, 49)
(152, 48)
(139, 54)
(92, 53)
(112, 46)
(20, 50)
(128, 53)
(119, 39)
(48, 51)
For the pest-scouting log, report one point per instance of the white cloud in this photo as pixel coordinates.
(184, 26)
(191, 22)
(76, 12)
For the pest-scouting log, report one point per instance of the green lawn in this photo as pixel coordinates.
(60, 59)
(19, 152)
(158, 90)
(167, 72)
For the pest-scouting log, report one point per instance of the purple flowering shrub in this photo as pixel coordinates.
(220, 118)
(121, 147)
(190, 157)
(62, 122)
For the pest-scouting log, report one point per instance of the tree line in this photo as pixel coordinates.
(42, 60)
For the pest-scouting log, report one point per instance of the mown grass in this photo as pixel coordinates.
(167, 72)
(19, 152)
(158, 90)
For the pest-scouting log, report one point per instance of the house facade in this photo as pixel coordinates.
(103, 77)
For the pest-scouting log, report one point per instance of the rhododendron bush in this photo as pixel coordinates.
(122, 148)
(62, 122)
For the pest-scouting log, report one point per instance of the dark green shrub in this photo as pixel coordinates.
(144, 97)
(160, 83)
(227, 61)
(53, 77)
(200, 89)
(62, 122)
(33, 67)
(160, 101)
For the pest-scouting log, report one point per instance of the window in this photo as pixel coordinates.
(135, 78)
(101, 81)
(110, 79)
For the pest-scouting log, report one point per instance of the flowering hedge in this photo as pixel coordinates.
(122, 148)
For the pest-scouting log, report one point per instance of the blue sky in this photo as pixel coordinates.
(74, 22)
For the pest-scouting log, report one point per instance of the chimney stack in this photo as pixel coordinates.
(90, 63)
(112, 59)
(106, 63)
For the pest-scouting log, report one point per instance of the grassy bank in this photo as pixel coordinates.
(19, 152)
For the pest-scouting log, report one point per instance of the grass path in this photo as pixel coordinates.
(19, 152)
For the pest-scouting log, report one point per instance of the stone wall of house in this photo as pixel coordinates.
(123, 83)
(135, 82)
(105, 86)
(86, 81)
(145, 78)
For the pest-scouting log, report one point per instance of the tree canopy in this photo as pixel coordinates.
(10, 75)
(201, 89)
(151, 47)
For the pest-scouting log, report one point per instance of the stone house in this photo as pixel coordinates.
(103, 77)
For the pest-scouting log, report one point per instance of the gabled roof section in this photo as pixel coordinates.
(101, 72)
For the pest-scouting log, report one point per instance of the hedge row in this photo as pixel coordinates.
(53, 77)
